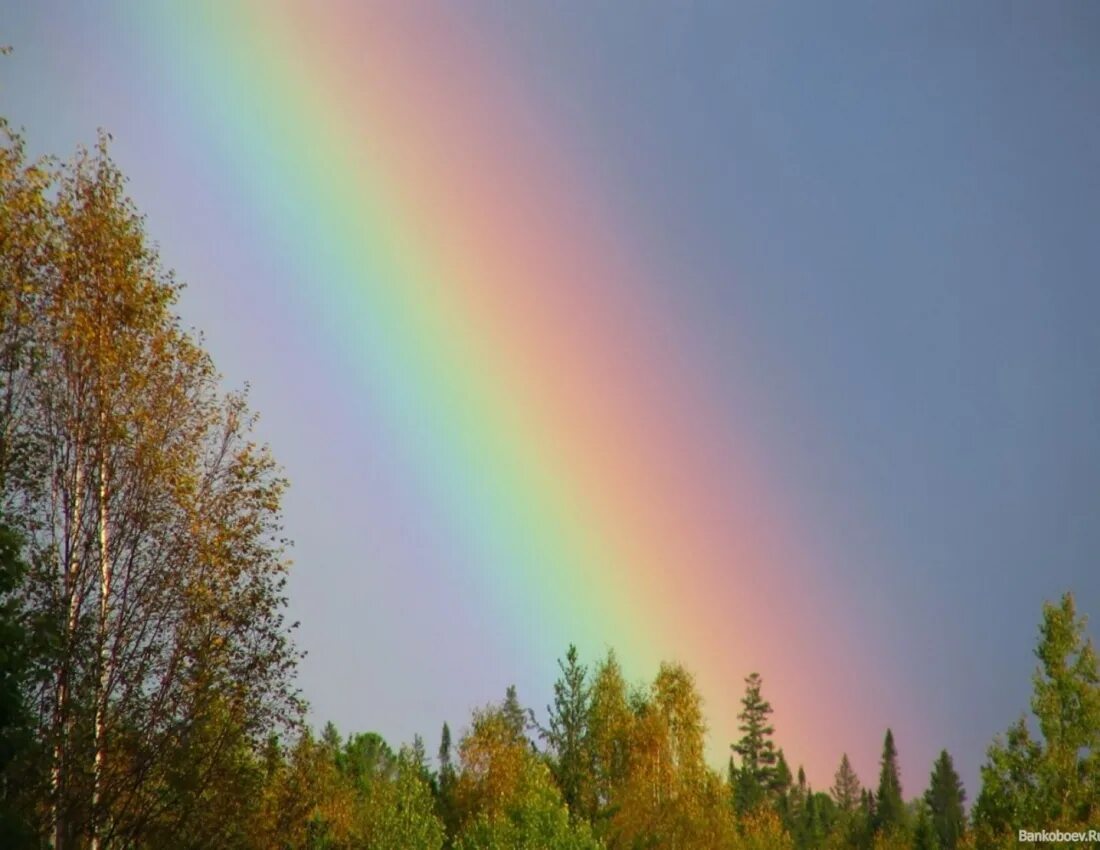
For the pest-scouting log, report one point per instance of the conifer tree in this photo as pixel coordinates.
(864, 828)
(446, 763)
(890, 808)
(810, 830)
(924, 833)
(567, 733)
(795, 803)
(418, 758)
(782, 793)
(445, 785)
(781, 780)
(846, 789)
(944, 798)
(756, 772)
(517, 717)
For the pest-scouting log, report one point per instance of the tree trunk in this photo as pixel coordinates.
(105, 670)
(74, 521)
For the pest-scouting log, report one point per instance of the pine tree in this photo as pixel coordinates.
(517, 717)
(781, 780)
(924, 833)
(781, 790)
(756, 772)
(810, 829)
(445, 786)
(418, 758)
(446, 764)
(846, 789)
(567, 734)
(795, 803)
(944, 798)
(890, 808)
(864, 827)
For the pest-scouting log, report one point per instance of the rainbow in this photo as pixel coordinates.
(472, 279)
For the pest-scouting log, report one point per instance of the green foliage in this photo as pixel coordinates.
(924, 833)
(18, 749)
(567, 735)
(517, 717)
(754, 777)
(445, 804)
(846, 788)
(610, 729)
(366, 759)
(398, 812)
(1052, 780)
(534, 817)
(889, 805)
(945, 798)
(781, 781)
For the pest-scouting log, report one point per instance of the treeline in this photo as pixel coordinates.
(622, 768)
(146, 670)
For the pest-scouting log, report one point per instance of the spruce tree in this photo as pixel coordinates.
(846, 788)
(781, 780)
(517, 717)
(567, 734)
(810, 830)
(796, 800)
(924, 833)
(756, 772)
(781, 789)
(445, 785)
(890, 808)
(945, 797)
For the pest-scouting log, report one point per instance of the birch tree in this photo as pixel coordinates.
(152, 519)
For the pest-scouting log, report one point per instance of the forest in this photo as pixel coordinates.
(147, 667)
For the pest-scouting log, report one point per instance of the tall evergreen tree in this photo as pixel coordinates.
(446, 759)
(846, 788)
(445, 785)
(781, 790)
(944, 798)
(567, 733)
(793, 806)
(517, 717)
(889, 806)
(796, 806)
(781, 779)
(811, 829)
(924, 833)
(755, 773)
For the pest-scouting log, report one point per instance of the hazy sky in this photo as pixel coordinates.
(884, 218)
